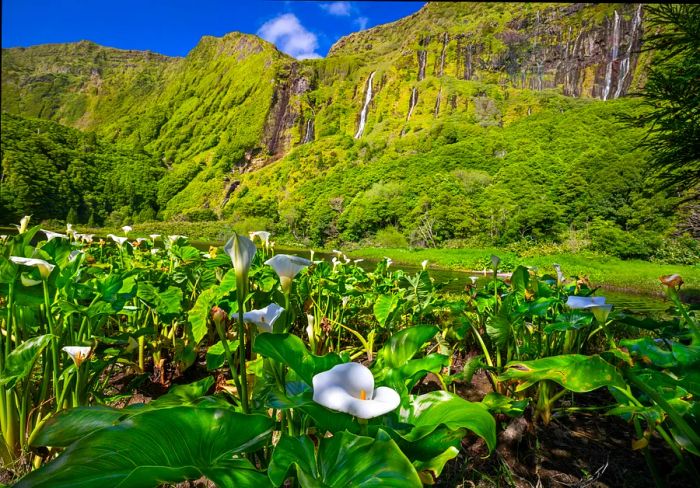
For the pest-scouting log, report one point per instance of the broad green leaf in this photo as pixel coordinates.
(519, 280)
(198, 316)
(19, 363)
(290, 350)
(574, 372)
(403, 345)
(497, 403)
(166, 445)
(648, 350)
(67, 426)
(216, 356)
(186, 254)
(384, 306)
(343, 460)
(441, 408)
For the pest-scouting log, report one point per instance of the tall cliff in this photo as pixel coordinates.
(235, 105)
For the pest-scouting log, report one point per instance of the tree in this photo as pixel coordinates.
(672, 93)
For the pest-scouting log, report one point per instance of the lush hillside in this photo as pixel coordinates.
(463, 123)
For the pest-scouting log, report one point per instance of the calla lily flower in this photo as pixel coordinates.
(287, 267)
(27, 281)
(574, 302)
(78, 354)
(263, 235)
(473, 278)
(242, 251)
(337, 253)
(74, 254)
(264, 318)
(349, 388)
(154, 236)
(127, 229)
(601, 312)
(87, 238)
(118, 240)
(424, 264)
(388, 261)
(356, 261)
(154, 251)
(44, 267)
(53, 235)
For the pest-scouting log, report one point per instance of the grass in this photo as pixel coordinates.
(613, 273)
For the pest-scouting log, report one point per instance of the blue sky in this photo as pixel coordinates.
(303, 29)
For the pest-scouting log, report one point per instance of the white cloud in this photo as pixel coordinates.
(287, 33)
(339, 9)
(361, 22)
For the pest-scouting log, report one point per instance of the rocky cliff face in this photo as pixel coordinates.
(236, 104)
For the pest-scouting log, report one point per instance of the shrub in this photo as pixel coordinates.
(390, 237)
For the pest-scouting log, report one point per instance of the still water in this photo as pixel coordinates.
(455, 281)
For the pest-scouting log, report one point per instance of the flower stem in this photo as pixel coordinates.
(241, 355)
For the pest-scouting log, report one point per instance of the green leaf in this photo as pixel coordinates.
(403, 345)
(186, 254)
(649, 350)
(574, 372)
(520, 280)
(67, 426)
(290, 350)
(165, 445)
(383, 307)
(198, 315)
(441, 408)
(19, 363)
(216, 356)
(343, 460)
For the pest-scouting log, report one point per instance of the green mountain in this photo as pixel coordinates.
(471, 122)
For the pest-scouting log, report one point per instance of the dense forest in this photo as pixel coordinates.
(482, 125)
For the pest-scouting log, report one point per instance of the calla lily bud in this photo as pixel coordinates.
(242, 251)
(495, 261)
(218, 316)
(24, 224)
(672, 281)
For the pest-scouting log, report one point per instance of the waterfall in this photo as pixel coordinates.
(414, 100)
(442, 55)
(422, 57)
(625, 63)
(437, 103)
(363, 114)
(309, 134)
(613, 55)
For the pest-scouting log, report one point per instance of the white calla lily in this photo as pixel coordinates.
(287, 267)
(388, 261)
(601, 312)
(473, 279)
(242, 251)
(78, 353)
(45, 268)
(87, 238)
(154, 251)
(53, 235)
(264, 318)
(424, 264)
(263, 235)
(574, 302)
(560, 276)
(356, 261)
(349, 388)
(119, 240)
(127, 229)
(154, 236)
